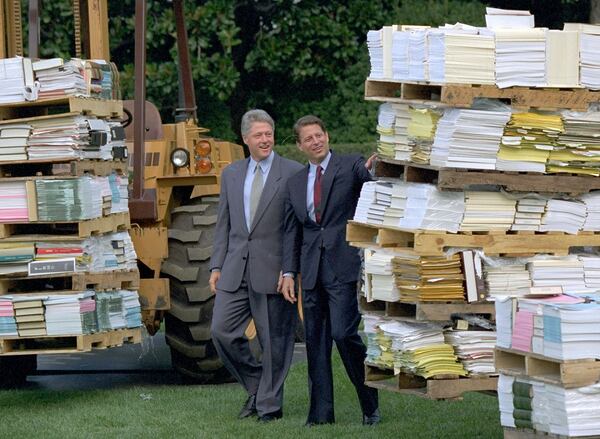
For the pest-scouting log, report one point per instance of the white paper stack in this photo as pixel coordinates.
(63, 313)
(400, 55)
(375, 197)
(488, 211)
(375, 46)
(591, 270)
(131, 308)
(563, 216)
(566, 272)
(62, 79)
(386, 119)
(592, 204)
(13, 201)
(119, 193)
(505, 277)
(504, 322)
(402, 149)
(520, 57)
(475, 350)
(379, 284)
(417, 55)
(572, 331)
(13, 141)
(496, 18)
(15, 75)
(436, 49)
(589, 41)
(562, 58)
(470, 59)
(394, 213)
(430, 209)
(529, 213)
(505, 400)
(469, 138)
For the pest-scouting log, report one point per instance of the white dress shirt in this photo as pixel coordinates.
(264, 166)
(310, 185)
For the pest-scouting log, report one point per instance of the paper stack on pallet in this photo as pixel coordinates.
(421, 131)
(563, 216)
(520, 57)
(475, 350)
(487, 211)
(529, 213)
(379, 282)
(8, 324)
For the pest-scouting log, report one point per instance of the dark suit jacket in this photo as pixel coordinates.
(260, 247)
(304, 238)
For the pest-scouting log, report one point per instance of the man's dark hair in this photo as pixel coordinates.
(305, 121)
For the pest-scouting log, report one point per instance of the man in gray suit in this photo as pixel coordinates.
(246, 270)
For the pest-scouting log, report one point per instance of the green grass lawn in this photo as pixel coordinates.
(210, 412)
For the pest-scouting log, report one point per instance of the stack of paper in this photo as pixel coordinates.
(417, 55)
(13, 141)
(496, 18)
(430, 209)
(8, 324)
(385, 128)
(589, 39)
(131, 308)
(520, 57)
(566, 272)
(421, 132)
(13, 201)
(394, 213)
(475, 350)
(69, 200)
(592, 205)
(505, 400)
(14, 257)
(436, 46)
(488, 211)
(529, 213)
(58, 78)
(375, 46)
(469, 138)
(428, 278)
(379, 284)
(470, 59)
(374, 198)
(578, 146)
(87, 311)
(16, 77)
(528, 141)
(402, 148)
(562, 58)
(572, 331)
(563, 216)
(29, 314)
(504, 321)
(371, 324)
(506, 277)
(109, 311)
(591, 271)
(400, 42)
(522, 330)
(63, 313)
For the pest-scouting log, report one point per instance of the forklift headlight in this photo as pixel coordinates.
(180, 157)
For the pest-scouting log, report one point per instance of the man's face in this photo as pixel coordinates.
(314, 142)
(260, 140)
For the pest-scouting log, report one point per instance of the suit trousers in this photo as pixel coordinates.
(275, 321)
(331, 314)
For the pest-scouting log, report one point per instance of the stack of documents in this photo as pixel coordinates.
(394, 213)
(29, 314)
(475, 350)
(578, 146)
(488, 211)
(436, 49)
(529, 213)
(417, 55)
(379, 283)
(566, 272)
(14, 257)
(374, 198)
(63, 313)
(375, 45)
(69, 200)
(520, 57)
(528, 140)
(470, 138)
(562, 58)
(386, 120)
(505, 400)
(109, 311)
(58, 78)
(371, 324)
(428, 278)
(572, 331)
(589, 41)
(592, 205)
(591, 271)
(470, 59)
(402, 149)
(563, 216)
(131, 308)
(13, 141)
(13, 201)
(504, 321)
(87, 311)
(506, 277)
(496, 18)
(400, 42)
(421, 131)
(16, 80)
(8, 324)
(431, 209)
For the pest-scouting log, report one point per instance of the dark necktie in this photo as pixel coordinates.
(317, 194)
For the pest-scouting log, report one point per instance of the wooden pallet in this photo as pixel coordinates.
(434, 243)
(453, 178)
(72, 282)
(106, 224)
(463, 95)
(565, 373)
(442, 387)
(72, 104)
(60, 168)
(520, 433)
(69, 343)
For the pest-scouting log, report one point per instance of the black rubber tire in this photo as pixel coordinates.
(14, 370)
(187, 323)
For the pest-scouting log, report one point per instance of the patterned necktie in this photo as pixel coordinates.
(255, 191)
(317, 194)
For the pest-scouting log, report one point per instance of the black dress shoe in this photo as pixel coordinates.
(249, 408)
(315, 423)
(373, 419)
(270, 416)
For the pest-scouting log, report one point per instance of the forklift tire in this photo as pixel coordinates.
(187, 323)
(14, 370)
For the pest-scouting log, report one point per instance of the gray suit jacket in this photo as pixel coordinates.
(260, 247)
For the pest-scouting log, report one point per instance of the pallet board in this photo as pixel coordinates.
(520, 433)
(453, 178)
(463, 95)
(72, 282)
(565, 373)
(438, 388)
(434, 243)
(112, 223)
(68, 343)
(12, 113)
(67, 167)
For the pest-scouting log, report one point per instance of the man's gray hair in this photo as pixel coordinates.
(255, 115)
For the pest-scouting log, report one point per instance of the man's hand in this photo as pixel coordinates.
(214, 277)
(287, 289)
(280, 282)
(370, 160)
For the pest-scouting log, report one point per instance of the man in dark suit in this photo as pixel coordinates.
(320, 200)
(246, 270)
